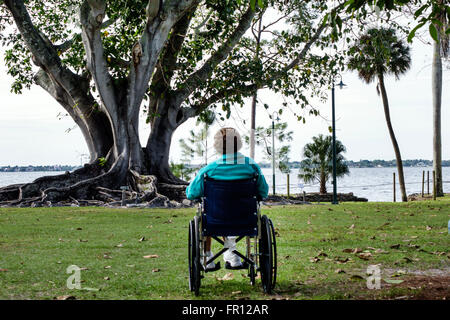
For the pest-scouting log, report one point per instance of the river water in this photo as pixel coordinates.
(374, 184)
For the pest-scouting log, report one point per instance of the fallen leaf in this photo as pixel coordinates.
(107, 267)
(228, 276)
(348, 250)
(399, 273)
(79, 228)
(393, 281)
(81, 240)
(395, 246)
(106, 278)
(155, 270)
(365, 255)
(65, 298)
(151, 256)
(142, 239)
(341, 260)
(314, 260)
(119, 245)
(408, 260)
(352, 226)
(339, 271)
(356, 277)
(357, 250)
(105, 256)
(428, 228)
(3, 270)
(236, 292)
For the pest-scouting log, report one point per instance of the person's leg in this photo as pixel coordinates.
(208, 253)
(208, 244)
(230, 258)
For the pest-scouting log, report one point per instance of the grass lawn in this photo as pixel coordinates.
(408, 241)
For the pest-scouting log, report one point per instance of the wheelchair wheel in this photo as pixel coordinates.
(268, 255)
(194, 258)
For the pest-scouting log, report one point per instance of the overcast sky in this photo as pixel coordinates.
(32, 133)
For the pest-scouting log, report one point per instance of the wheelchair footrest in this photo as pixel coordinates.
(217, 267)
(242, 266)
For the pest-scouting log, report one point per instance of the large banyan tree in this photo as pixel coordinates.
(106, 61)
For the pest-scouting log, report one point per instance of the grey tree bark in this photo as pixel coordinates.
(437, 102)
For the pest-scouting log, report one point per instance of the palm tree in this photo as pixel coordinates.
(440, 49)
(376, 53)
(318, 162)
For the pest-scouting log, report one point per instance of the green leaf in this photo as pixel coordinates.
(433, 32)
(413, 31)
(393, 281)
(253, 4)
(261, 3)
(420, 10)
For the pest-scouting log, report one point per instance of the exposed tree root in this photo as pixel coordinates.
(92, 186)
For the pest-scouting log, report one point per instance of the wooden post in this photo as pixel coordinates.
(434, 185)
(288, 193)
(394, 184)
(304, 196)
(428, 182)
(423, 182)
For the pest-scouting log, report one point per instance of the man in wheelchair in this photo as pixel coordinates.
(230, 189)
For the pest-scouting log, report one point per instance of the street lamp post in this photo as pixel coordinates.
(333, 119)
(273, 150)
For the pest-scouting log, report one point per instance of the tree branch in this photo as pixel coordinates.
(45, 55)
(146, 52)
(168, 62)
(220, 55)
(92, 13)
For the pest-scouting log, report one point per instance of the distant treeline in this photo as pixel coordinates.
(292, 164)
(374, 163)
(37, 168)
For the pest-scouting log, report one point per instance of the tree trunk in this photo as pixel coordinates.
(437, 101)
(168, 118)
(323, 184)
(253, 126)
(398, 156)
(255, 94)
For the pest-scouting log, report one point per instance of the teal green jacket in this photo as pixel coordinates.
(228, 167)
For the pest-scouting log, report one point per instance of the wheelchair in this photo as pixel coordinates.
(232, 208)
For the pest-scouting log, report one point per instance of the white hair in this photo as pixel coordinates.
(227, 140)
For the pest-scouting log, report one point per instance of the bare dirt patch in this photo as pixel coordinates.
(422, 287)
